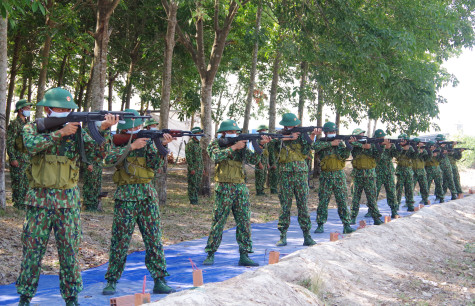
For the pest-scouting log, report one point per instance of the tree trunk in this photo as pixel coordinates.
(24, 86)
(30, 90)
(273, 92)
(111, 90)
(13, 73)
(166, 90)
(44, 62)
(87, 99)
(303, 85)
(105, 8)
(316, 161)
(337, 122)
(61, 71)
(368, 132)
(206, 125)
(374, 127)
(128, 85)
(252, 78)
(3, 96)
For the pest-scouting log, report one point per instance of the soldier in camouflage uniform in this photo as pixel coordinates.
(364, 173)
(194, 160)
(273, 171)
(136, 201)
(92, 176)
(53, 200)
(332, 157)
(385, 172)
(404, 173)
(150, 124)
(434, 173)
(231, 193)
(17, 153)
(446, 167)
(454, 156)
(418, 167)
(261, 167)
(293, 179)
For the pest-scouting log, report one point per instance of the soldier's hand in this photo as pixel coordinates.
(239, 145)
(69, 129)
(352, 139)
(367, 146)
(388, 145)
(261, 166)
(14, 163)
(192, 172)
(89, 168)
(273, 167)
(139, 143)
(335, 142)
(110, 121)
(265, 139)
(406, 147)
(435, 154)
(315, 133)
(167, 138)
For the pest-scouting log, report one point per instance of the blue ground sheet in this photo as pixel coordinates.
(264, 237)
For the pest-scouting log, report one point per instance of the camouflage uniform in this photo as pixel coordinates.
(447, 175)
(261, 174)
(194, 160)
(453, 157)
(17, 151)
(231, 196)
(420, 176)
(434, 174)
(92, 186)
(385, 176)
(332, 181)
(405, 177)
(293, 180)
(364, 179)
(273, 173)
(58, 209)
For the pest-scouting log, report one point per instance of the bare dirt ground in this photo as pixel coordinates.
(180, 221)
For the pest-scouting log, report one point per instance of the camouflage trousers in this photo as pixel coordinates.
(92, 187)
(231, 197)
(435, 174)
(261, 176)
(368, 184)
(194, 183)
(448, 179)
(273, 180)
(405, 180)
(386, 179)
(39, 222)
(147, 215)
(20, 184)
(332, 182)
(456, 175)
(420, 177)
(293, 184)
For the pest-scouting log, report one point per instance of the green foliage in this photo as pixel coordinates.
(468, 157)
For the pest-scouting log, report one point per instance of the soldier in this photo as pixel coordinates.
(261, 166)
(151, 124)
(17, 153)
(136, 201)
(194, 160)
(273, 171)
(293, 175)
(404, 173)
(364, 173)
(92, 176)
(231, 193)
(446, 167)
(385, 172)
(332, 157)
(434, 173)
(418, 167)
(53, 198)
(454, 156)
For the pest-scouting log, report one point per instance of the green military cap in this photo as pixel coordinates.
(440, 137)
(262, 127)
(430, 143)
(228, 125)
(289, 119)
(22, 103)
(379, 133)
(196, 130)
(58, 97)
(403, 136)
(150, 122)
(329, 127)
(130, 123)
(416, 139)
(357, 131)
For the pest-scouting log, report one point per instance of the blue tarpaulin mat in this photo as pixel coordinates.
(264, 237)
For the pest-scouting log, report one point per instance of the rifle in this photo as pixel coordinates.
(344, 138)
(304, 130)
(229, 141)
(155, 135)
(90, 118)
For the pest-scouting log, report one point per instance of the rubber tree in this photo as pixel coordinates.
(3, 99)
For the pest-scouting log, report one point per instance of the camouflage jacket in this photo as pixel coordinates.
(218, 154)
(384, 163)
(194, 156)
(279, 147)
(14, 135)
(372, 153)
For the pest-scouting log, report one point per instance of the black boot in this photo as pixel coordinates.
(161, 287)
(308, 240)
(109, 289)
(209, 260)
(283, 240)
(24, 300)
(244, 260)
(72, 301)
(319, 229)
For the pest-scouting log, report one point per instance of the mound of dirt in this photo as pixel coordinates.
(425, 259)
